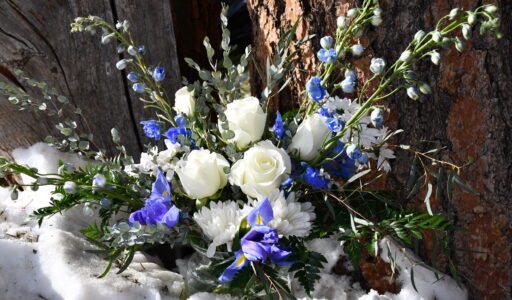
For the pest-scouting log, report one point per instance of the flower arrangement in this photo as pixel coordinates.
(244, 186)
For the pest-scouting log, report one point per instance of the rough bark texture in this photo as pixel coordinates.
(468, 112)
(35, 37)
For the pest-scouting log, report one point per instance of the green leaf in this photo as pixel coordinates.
(358, 175)
(458, 181)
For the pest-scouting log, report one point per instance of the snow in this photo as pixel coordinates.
(49, 262)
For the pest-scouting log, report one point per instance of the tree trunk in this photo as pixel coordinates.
(35, 37)
(468, 113)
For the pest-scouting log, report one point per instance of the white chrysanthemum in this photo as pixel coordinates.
(384, 153)
(349, 108)
(291, 218)
(220, 223)
(147, 161)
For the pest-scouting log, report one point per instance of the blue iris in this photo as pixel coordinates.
(327, 56)
(158, 207)
(315, 90)
(174, 133)
(159, 73)
(151, 129)
(259, 244)
(278, 127)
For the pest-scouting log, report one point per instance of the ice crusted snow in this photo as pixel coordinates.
(50, 263)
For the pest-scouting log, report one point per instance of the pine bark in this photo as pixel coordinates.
(468, 113)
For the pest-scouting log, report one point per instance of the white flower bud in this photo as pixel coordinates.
(352, 13)
(126, 25)
(425, 88)
(132, 50)
(246, 119)
(342, 22)
(357, 50)
(412, 92)
(105, 39)
(377, 65)
(454, 13)
(377, 11)
(69, 187)
(435, 57)
(466, 31)
(491, 9)
(437, 36)
(471, 18)
(376, 20)
(419, 36)
(184, 101)
(459, 45)
(121, 65)
(406, 56)
(327, 42)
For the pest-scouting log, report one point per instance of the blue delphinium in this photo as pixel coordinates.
(342, 166)
(181, 120)
(334, 124)
(174, 133)
(278, 127)
(353, 152)
(158, 207)
(159, 73)
(348, 85)
(377, 117)
(138, 87)
(315, 90)
(259, 244)
(327, 56)
(151, 129)
(325, 112)
(315, 177)
(142, 49)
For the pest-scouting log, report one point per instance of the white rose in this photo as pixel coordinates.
(184, 102)
(201, 173)
(262, 170)
(310, 136)
(246, 119)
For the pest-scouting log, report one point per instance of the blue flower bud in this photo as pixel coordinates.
(412, 92)
(348, 85)
(121, 65)
(350, 73)
(327, 56)
(98, 181)
(142, 50)
(132, 76)
(327, 42)
(353, 152)
(132, 50)
(138, 87)
(363, 159)
(105, 202)
(159, 73)
(314, 88)
(377, 117)
(181, 120)
(377, 65)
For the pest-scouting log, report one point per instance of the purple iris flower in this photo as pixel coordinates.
(259, 244)
(158, 207)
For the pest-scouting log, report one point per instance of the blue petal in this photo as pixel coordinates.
(280, 256)
(137, 216)
(171, 217)
(161, 188)
(254, 251)
(230, 272)
(155, 213)
(261, 214)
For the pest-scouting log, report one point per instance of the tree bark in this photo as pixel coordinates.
(35, 37)
(468, 113)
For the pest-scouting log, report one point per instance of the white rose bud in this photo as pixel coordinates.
(246, 119)
(310, 136)
(184, 102)
(262, 170)
(202, 173)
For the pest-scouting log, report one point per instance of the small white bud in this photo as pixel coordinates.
(471, 18)
(327, 42)
(132, 50)
(412, 92)
(425, 88)
(70, 187)
(357, 50)
(459, 45)
(491, 9)
(121, 65)
(105, 39)
(126, 25)
(377, 11)
(342, 22)
(454, 13)
(419, 35)
(352, 13)
(376, 20)
(406, 56)
(466, 31)
(88, 210)
(437, 36)
(435, 57)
